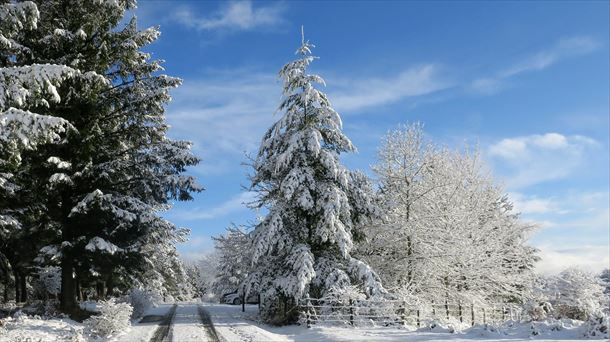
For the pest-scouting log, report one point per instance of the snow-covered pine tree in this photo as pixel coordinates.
(302, 247)
(99, 191)
(27, 91)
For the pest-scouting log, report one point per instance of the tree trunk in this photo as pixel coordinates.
(409, 261)
(5, 294)
(23, 286)
(79, 294)
(17, 288)
(67, 298)
(109, 287)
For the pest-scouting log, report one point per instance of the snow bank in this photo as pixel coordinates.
(26, 328)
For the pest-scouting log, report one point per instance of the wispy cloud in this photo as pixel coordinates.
(357, 94)
(225, 114)
(564, 48)
(533, 159)
(532, 204)
(234, 204)
(233, 16)
(239, 105)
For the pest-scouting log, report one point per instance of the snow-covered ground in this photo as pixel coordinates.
(141, 332)
(25, 328)
(234, 325)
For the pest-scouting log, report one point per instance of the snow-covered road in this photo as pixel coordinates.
(188, 325)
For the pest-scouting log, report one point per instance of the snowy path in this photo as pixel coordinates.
(144, 330)
(188, 325)
(233, 325)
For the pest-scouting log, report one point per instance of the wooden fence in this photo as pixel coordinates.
(396, 312)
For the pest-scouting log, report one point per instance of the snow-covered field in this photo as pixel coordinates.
(233, 325)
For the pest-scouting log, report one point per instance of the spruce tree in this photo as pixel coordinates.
(100, 191)
(302, 247)
(27, 92)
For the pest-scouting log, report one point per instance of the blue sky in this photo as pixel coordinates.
(527, 81)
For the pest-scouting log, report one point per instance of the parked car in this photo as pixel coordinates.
(235, 299)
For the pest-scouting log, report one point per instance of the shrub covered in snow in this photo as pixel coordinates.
(537, 310)
(113, 318)
(578, 294)
(597, 325)
(141, 300)
(50, 279)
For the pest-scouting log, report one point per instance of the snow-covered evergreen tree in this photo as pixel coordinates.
(98, 193)
(303, 245)
(27, 92)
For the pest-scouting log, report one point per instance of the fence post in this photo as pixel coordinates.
(484, 319)
(259, 302)
(447, 308)
(243, 303)
(351, 312)
(418, 318)
(307, 312)
(404, 312)
(472, 314)
(460, 311)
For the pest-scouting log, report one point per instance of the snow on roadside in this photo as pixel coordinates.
(26, 328)
(142, 332)
(234, 325)
(34, 328)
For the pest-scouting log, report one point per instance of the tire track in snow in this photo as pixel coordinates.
(162, 331)
(207, 323)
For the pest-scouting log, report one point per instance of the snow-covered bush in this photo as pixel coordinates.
(113, 318)
(141, 300)
(597, 325)
(577, 294)
(537, 310)
(50, 278)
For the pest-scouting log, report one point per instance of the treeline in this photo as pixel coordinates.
(85, 163)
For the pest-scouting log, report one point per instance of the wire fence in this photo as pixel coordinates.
(397, 312)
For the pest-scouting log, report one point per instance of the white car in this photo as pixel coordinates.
(235, 299)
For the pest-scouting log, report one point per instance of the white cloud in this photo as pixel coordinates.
(358, 94)
(593, 258)
(564, 48)
(532, 204)
(235, 16)
(539, 158)
(234, 204)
